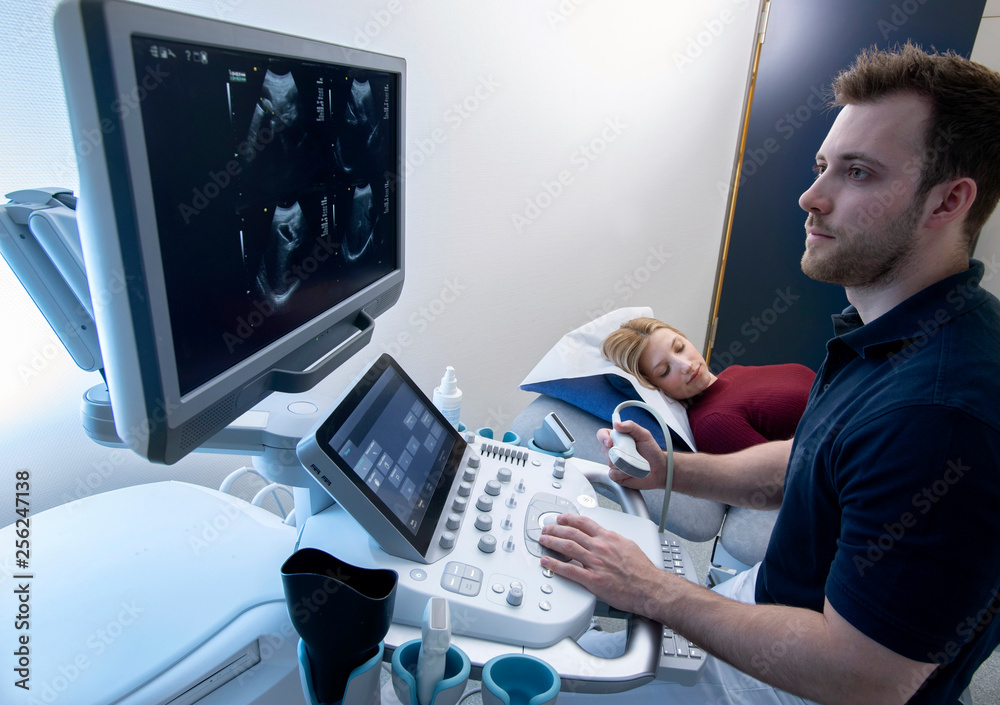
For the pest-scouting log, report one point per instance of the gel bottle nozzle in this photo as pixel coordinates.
(448, 397)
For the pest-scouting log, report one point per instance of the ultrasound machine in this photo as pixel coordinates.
(238, 228)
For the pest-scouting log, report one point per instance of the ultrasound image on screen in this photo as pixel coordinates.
(274, 191)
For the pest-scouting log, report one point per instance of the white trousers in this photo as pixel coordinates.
(720, 683)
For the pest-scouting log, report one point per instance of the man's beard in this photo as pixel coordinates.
(864, 259)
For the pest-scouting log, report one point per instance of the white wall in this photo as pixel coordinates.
(636, 103)
(987, 51)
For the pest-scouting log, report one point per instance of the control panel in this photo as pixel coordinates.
(488, 532)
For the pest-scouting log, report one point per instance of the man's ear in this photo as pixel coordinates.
(949, 201)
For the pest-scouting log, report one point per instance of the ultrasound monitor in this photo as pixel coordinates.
(241, 209)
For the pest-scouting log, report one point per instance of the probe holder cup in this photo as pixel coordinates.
(341, 613)
(508, 436)
(519, 679)
(448, 691)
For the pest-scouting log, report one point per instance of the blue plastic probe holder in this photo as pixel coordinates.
(448, 691)
(508, 436)
(519, 679)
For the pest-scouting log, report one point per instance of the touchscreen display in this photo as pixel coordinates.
(397, 448)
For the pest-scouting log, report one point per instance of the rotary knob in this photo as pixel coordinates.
(559, 472)
(515, 596)
(460, 504)
(453, 522)
(487, 543)
(474, 461)
(493, 488)
(447, 540)
(484, 503)
(465, 489)
(484, 522)
(469, 475)
(504, 474)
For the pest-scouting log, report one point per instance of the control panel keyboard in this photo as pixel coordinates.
(488, 535)
(681, 661)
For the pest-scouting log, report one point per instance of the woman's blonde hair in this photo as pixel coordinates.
(624, 346)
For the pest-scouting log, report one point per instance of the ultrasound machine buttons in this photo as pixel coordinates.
(493, 488)
(460, 504)
(484, 522)
(462, 579)
(515, 596)
(484, 503)
(447, 540)
(487, 543)
(504, 474)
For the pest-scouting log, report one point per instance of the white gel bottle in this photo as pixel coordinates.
(448, 397)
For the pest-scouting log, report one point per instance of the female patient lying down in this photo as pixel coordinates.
(738, 408)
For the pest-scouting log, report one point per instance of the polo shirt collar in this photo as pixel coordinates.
(915, 317)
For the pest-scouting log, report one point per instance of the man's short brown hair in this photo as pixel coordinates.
(963, 138)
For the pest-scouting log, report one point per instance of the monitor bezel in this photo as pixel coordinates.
(103, 93)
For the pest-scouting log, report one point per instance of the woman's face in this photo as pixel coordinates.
(672, 364)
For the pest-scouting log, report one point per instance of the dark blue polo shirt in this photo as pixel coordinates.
(891, 506)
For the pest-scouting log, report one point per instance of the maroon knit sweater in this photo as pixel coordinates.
(749, 405)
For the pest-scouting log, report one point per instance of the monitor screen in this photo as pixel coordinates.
(245, 191)
(390, 442)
